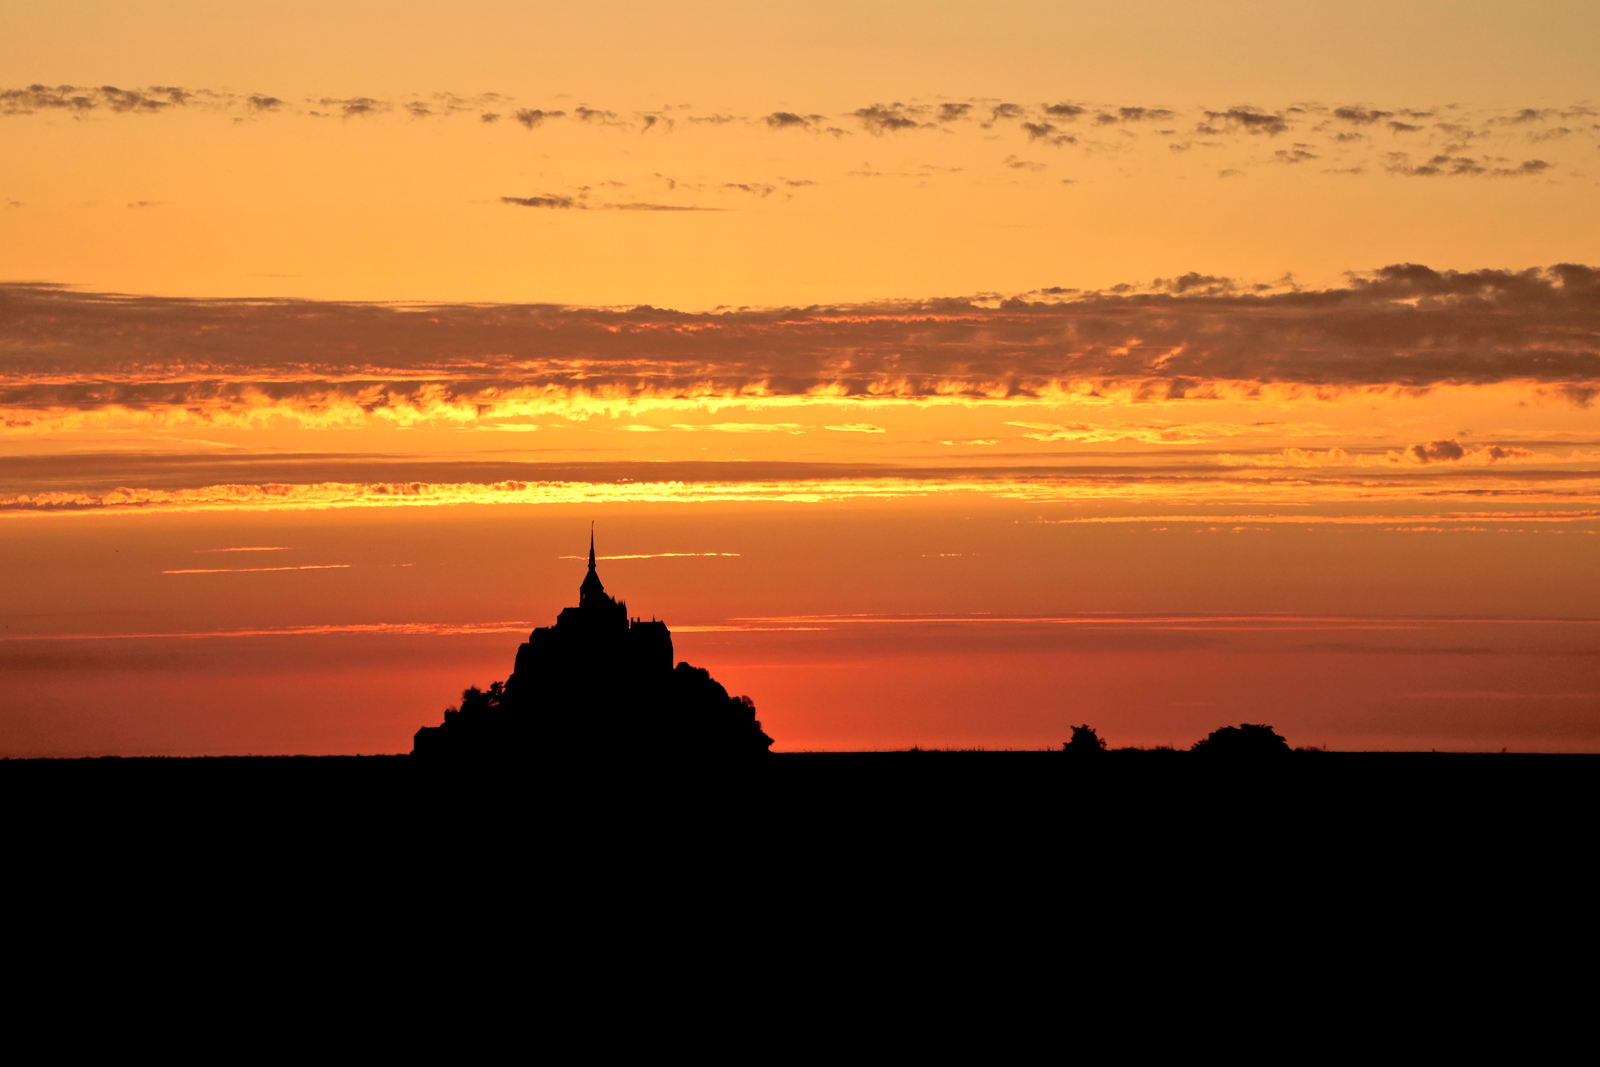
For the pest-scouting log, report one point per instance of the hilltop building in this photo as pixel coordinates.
(598, 681)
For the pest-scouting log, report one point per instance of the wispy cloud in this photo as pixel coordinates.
(580, 203)
(1576, 515)
(1457, 166)
(657, 555)
(259, 570)
(890, 118)
(347, 482)
(423, 629)
(248, 548)
(1353, 139)
(1449, 452)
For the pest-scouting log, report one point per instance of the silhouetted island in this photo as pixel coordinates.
(598, 682)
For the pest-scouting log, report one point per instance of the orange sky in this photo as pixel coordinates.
(941, 377)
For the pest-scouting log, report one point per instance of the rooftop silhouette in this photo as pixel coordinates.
(598, 682)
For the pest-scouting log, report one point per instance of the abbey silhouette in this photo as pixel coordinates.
(598, 683)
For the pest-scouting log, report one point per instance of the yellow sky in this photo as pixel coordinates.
(338, 188)
(1003, 366)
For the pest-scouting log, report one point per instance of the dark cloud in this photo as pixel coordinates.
(1144, 114)
(1045, 131)
(760, 189)
(540, 201)
(258, 102)
(1437, 452)
(1195, 283)
(952, 112)
(1450, 451)
(1064, 111)
(635, 206)
(531, 117)
(44, 98)
(1022, 164)
(1300, 153)
(1247, 119)
(1006, 112)
(1404, 327)
(72, 98)
(881, 118)
(1462, 166)
(120, 100)
(581, 203)
(355, 106)
(788, 120)
(595, 115)
(1529, 114)
(1134, 114)
(1360, 116)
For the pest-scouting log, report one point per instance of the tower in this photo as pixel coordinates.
(592, 593)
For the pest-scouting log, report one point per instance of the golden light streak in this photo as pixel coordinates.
(260, 570)
(249, 548)
(1041, 489)
(654, 555)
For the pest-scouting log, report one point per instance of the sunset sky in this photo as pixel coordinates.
(942, 374)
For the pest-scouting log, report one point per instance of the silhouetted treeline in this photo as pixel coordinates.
(1246, 740)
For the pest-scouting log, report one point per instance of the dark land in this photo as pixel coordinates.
(824, 860)
(986, 800)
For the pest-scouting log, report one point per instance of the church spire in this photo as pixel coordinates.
(591, 591)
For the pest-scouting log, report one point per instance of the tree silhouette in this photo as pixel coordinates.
(1246, 739)
(1084, 739)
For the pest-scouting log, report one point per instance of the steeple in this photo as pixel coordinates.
(591, 591)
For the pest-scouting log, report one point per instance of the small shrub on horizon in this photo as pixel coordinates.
(1246, 739)
(1084, 739)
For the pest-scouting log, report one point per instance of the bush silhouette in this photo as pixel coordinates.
(1246, 739)
(1084, 739)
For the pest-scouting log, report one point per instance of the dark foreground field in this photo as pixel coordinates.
(877, 802)
(943, 851)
